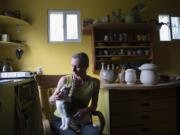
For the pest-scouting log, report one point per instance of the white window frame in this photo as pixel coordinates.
(65, 13)
(170, 27)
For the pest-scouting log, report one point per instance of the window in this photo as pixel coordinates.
(170, 27)
(64, 26)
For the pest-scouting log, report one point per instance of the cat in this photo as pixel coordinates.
(63, 106)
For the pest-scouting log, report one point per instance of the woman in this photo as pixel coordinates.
(85, 88)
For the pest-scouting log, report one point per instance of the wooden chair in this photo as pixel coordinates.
(46, 85)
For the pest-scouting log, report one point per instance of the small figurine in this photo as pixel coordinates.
(121, 75)
(113, 17)
(116, 16)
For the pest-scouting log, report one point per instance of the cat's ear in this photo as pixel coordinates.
(67, 87)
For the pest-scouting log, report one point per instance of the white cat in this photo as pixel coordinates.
(63, 106)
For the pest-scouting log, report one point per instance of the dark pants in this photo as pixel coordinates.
(84, 130)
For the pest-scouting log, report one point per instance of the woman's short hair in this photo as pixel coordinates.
(83, 57)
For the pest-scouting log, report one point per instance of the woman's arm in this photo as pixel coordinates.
(57, 93)
(95, 95)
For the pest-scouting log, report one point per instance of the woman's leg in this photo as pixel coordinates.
(55, 124)
(89, 130)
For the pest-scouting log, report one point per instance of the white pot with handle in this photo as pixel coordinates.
(130, 76)
(148, 75)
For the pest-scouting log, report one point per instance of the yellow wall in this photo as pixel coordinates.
(0, 9)
(55, 58)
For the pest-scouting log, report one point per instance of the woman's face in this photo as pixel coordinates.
(77, 67)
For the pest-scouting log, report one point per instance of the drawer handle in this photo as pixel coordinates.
(145, 117)
(145, 104)
(145, 129)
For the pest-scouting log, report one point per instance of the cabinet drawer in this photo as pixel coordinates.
(116, 95)
(142, 105)
(143, 118)
(149, 129)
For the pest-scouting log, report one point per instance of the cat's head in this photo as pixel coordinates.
(65, 89)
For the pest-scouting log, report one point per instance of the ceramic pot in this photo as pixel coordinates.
(130, 76)
(108, 76)
(148, 75)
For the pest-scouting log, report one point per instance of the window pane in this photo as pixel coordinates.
(64, 26)
(175, 23)
(165, 33)
(72, 26)
(56, 30)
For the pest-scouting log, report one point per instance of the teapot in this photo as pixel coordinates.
(6, 67)
(148, 75)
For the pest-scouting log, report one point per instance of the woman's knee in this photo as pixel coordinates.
(89, 130)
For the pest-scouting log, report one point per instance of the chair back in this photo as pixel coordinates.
(46, 86)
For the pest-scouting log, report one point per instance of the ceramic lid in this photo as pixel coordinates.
(148, 66)
(130, 70)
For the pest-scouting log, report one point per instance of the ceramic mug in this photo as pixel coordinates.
(5, 37)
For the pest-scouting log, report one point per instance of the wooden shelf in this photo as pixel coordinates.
(125, 59)
(121, 42)
(125, 43)
(110, 26)
(123, 47)
(12, 21)
(8, 44)
(121, 56)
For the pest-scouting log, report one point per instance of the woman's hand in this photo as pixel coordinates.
(57, 93)
(81, 113)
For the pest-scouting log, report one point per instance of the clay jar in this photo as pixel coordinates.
(130, 76)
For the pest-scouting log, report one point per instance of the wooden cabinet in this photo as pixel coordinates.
(7, 21)
(125, 44)
(143, 112)
(25, 108)
(19, 108)
(7, 110)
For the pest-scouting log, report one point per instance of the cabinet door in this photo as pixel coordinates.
(7, 108)
(27, 111)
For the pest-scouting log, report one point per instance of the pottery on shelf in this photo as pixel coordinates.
(108, 75)
(148, 75)
(130, 76)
